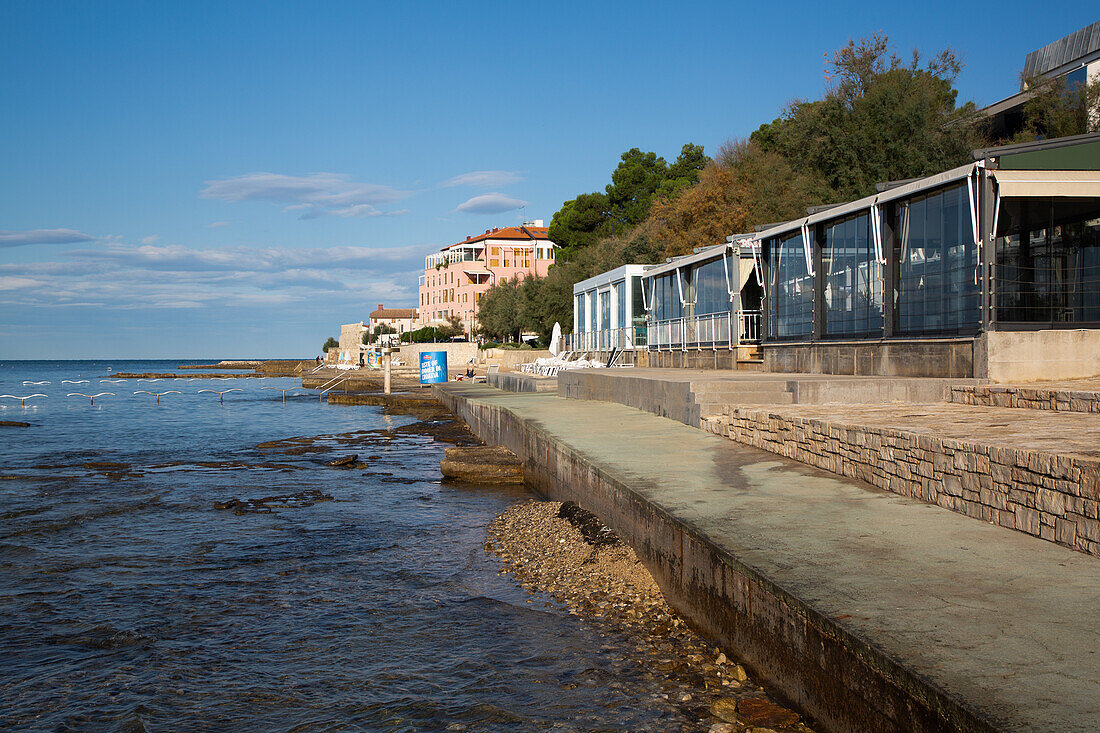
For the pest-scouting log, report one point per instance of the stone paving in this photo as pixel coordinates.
(1033, 471)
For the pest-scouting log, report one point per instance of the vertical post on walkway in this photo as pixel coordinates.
(386, 359)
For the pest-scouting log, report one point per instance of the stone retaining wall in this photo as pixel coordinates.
(1055, 497)
(811, 659)
(1031, 398)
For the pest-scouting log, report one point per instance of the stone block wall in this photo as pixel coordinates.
(1031, 398)
(1054, 497)
(900, 358)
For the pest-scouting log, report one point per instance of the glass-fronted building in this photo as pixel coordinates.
(703, 307)
(929, 278)
(609, 311)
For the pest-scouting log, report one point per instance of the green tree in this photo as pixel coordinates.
(880, 120)
(685, 170)
(633, 185)
(330, 344)
(498, 311)
(580, 222)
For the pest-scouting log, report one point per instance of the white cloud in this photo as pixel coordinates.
(490, 203)
(483, 179)
(317, 194)
(42, 236)
(151, 239)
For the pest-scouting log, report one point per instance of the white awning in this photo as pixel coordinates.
(1047, 183)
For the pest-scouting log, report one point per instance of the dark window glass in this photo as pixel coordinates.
(711, 290)
(938, 291)
(1048, 261)
(620, 304)
(582, 325)
(853, 279)
(667, 297)
(605, 309)
(791, 289)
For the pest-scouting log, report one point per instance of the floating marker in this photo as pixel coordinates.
(280, 389)
(221, 395)
(158, 395)
(91, 397)
(23, 400)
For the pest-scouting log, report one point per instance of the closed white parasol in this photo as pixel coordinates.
(555, 339)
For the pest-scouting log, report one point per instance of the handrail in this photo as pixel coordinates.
(332, 384)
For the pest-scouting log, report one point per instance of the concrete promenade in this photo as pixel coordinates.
(868, 610)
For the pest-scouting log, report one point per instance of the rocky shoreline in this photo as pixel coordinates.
(566, 552)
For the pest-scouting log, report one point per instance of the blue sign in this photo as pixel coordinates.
(433, 367)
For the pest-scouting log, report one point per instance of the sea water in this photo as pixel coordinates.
(129, 601)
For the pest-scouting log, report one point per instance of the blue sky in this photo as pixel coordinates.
(237, 179)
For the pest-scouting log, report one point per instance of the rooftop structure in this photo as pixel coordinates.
(1076, 58)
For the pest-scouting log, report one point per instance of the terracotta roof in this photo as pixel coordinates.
(509, 233)
(398, 313)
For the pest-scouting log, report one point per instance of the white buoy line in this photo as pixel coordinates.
(24, 398)
(221, 395)
(91, 397)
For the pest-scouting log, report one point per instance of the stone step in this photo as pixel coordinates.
(740, 387)
(748, 398)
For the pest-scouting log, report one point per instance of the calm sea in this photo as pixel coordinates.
(129, 602)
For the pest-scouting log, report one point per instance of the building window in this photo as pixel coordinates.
(494, 263)
(711, 291)
(791, 309)
(937, 290)
(666, 298)
(605, 309)
(1048, 261)
(853, 279)
(582, 325)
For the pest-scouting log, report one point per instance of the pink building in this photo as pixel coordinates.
(455, 278)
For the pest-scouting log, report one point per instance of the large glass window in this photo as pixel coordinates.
(938, 290)
(581, 322)
(605, 309)
(621, 315)
(592, 307)
(666, 296)
(711, 290)
(853, 279)
(1048, 261)
(791, 290)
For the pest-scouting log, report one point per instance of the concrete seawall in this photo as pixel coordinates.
(868, 611)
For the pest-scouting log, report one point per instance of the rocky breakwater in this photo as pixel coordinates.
(566, 552)
(482, 464)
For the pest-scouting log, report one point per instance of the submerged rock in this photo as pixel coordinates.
(268, 504)
(482, 465)
(760, 711)
(14, 424)
(345, 461)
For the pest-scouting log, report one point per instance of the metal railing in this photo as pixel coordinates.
(750, 327)
(711, 331)
(332, 384)
(602, 340)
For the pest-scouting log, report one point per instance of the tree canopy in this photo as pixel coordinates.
(626, 201)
